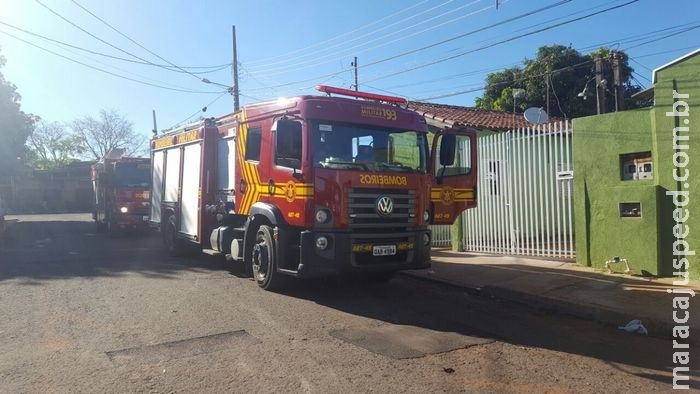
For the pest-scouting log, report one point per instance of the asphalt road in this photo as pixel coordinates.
(80, 312)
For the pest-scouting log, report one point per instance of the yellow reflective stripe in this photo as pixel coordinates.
(459, 195)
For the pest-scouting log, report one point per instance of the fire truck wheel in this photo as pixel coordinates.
(172, 244)
(265, 260)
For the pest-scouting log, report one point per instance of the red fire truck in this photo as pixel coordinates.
(122, 187)
(313, 185)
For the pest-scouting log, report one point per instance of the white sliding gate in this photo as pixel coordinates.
(524, 195)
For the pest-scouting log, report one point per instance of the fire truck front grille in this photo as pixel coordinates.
(364, 213)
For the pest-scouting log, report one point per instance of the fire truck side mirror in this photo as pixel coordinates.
(447, 149)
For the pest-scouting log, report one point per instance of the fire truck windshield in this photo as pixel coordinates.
(133, 175)
(348, 146)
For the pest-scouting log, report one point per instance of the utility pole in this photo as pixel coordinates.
(236, 102)
(354, 64)
(155, 127)
(547, 83)
(599, 84)
(619, 88)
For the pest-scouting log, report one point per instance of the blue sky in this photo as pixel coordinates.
(427, 50)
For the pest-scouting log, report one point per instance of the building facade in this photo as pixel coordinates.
(636, 198)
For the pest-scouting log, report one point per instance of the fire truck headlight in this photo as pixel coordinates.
(322, 216)
(426, 239)
(321, 243)
(426, 216)
(123, 209)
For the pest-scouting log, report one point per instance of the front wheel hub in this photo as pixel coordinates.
(260, 259)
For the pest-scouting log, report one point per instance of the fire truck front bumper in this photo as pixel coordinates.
(131, 220)
(332, 253)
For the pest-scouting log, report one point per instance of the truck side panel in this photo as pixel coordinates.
(172, 175)
(158, 161)
(191, 191)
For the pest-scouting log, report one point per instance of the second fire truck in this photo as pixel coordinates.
(313, 185)
(121, 187)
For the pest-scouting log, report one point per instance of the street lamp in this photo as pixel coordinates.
(584, 92)
(517, 93)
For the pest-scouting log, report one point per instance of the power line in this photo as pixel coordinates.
(663, 37)
(383, 39)
(322, 43)
(117, 48)
(430, 46)
(501, 23)
(141, 46)
(59, 42)
(503, 41)
(637, 37)
(198, 111)
(521, 79)
(104, 71)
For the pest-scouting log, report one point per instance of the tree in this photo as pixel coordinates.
(554, 79)
(51, 146)
(109, 131)
(15, 127)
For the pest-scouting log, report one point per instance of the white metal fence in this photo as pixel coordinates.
(524, 195)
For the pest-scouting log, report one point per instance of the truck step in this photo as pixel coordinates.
(211, 252)
(230, 257)
(288, 272)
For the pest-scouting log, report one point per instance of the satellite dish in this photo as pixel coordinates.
(535, 115)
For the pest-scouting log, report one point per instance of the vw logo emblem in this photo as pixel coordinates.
(385, 205)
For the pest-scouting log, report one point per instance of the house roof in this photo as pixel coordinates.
(648, 93)
(673, 62)
(482, 119)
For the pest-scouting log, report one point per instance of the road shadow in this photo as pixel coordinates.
(64, 249)
(412, 302)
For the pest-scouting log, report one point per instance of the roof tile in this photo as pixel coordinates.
(471, 117)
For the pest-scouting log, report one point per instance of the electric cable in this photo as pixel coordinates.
(120, 49)
(104, 71)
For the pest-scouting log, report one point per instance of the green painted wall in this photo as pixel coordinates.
(598, 141)
(683, 77)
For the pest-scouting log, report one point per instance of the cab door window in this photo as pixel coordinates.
(288, 144)
(462, 164)
(252, 145)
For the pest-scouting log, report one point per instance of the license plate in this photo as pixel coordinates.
(384, 250)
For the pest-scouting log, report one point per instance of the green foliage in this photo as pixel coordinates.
(553, 81)
(15, 127)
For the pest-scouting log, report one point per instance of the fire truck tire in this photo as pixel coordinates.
(172, 244)
(265, 259)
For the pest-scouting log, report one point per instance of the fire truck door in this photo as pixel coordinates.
(453, 166)
(284, 184)
(247, 174)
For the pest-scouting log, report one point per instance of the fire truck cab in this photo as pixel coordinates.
(312, 185)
